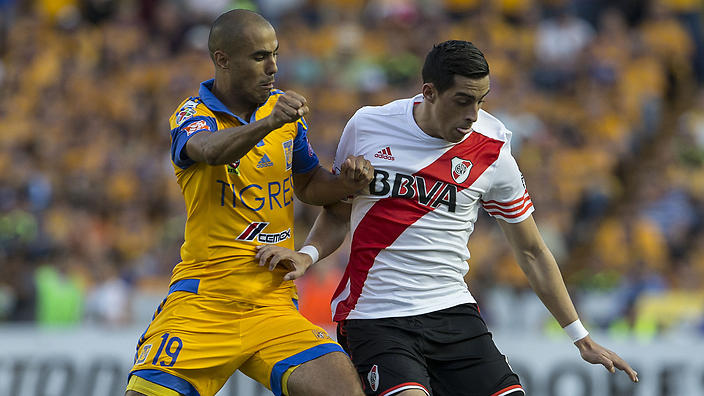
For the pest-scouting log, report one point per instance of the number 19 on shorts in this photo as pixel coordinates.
(170, 347)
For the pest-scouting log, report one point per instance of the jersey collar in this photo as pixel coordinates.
(214, 104)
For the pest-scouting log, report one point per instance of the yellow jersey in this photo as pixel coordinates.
(233, 208)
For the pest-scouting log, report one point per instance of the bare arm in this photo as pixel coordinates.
(231, 144)
(540, 267)
(327, 234)
(320, 187)
(330, 228)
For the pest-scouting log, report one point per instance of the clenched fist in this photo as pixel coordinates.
(356, 173)
(289, 107)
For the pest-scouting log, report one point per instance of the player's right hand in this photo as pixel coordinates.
(356, 173)
(297, 263)
(289, 107)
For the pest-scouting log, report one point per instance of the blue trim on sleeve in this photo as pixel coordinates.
(295, 302)
(167, 380)
(187, 285)
(179, 138)
(304, 158)
(301, 357)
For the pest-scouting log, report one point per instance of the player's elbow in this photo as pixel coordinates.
(212, 160)
(215, 156)
(305, 196)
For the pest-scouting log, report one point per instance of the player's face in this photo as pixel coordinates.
(253, 65)
(457, 108)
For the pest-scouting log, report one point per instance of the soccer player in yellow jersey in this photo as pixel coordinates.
(239, 151)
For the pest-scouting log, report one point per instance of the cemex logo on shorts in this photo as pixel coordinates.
(255, 231)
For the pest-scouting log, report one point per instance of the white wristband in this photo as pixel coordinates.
(576, 330)
(311, 251)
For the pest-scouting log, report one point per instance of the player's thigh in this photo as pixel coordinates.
(486, 377)
(329, 374)
(191, 347)
(462, 357)
(284, 342)
(387, 355)
(134, 393)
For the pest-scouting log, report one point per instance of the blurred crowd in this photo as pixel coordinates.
(605, 99)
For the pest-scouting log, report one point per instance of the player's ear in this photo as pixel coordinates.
(221, 59)
(429, 92)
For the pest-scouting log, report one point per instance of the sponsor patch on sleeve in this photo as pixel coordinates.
(196, 126)
(187, 111)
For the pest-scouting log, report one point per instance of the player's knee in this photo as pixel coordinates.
(332, 373)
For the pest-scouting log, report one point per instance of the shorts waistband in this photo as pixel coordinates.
(187, 285)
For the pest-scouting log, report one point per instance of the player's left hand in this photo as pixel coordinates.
(297, 263)
(356, 173)
(597, 354)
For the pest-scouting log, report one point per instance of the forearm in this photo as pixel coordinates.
(322, 188)
(329, 229)
(229, 145)
(546, 280)
(544, 276)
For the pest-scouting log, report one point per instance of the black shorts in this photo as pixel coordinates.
(445, 353)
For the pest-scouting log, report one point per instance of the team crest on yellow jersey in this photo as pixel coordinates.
(144, 354)
(288, 153)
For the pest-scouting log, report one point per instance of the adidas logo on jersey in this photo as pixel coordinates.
(264, 162)
(385, 154)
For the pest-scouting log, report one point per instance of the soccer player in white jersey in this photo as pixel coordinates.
(404, 313)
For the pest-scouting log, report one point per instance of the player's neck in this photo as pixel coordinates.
(422, 117)
(234, 103)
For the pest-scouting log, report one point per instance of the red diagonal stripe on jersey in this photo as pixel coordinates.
(388, 218)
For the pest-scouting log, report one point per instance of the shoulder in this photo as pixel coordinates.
(191, 107)
(397, 107)
(491, 127)
(380, 115)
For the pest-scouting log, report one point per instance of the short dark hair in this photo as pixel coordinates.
(228, 29)
(453, 57)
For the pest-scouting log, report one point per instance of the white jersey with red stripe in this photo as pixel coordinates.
(410, 231)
